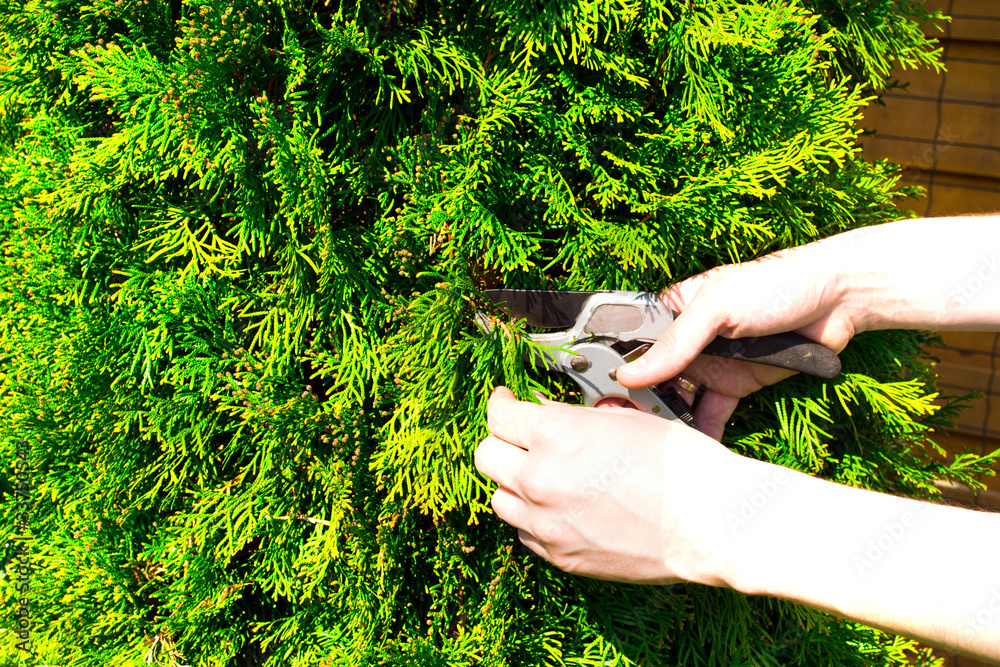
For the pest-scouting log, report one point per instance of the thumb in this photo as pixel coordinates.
(696, 326)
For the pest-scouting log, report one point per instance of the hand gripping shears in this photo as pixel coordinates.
(601, 331)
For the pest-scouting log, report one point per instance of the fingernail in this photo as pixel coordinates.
(634, 367)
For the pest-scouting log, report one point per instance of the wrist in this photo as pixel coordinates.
(712, 540)
(741, 557)
(854, 285)
(894, 277)
(784, 532)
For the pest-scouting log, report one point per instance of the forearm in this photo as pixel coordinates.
(885, 561)
(936, 273)
(921, 570)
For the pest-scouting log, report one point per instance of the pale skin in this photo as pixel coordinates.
(612, 493)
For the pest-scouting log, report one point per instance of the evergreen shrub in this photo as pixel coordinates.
(243, 244)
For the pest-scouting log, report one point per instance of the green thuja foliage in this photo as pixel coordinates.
(243, 245)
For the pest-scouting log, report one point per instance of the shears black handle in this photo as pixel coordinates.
(784, 350)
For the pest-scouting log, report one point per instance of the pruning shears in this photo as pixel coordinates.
(601, 331)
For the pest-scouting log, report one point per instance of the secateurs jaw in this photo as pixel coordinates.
(601, 331)
(606, 330)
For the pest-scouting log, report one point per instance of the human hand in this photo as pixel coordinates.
(798, 290)
(608, 492)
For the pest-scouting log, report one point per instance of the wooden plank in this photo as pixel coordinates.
(964, 82)
(961, 495)
(973, 75)
(961, 379)
(968, 138)
(963, 50)
(964, 357)
(956, 443)
(960, 443)
(980, 419)
(916, 118)
(945, 199)
(966, 364)
(975, 7)
(974, 20)
(951, 194)
(972, 420)
(981, 8)
(924, 155)
(971, 342)
(970, 28)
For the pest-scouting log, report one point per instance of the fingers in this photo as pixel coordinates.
(507, 505)
(510, 509)
(530, 541)
(730, 376)
(511, 420)
(500, 461)
(694, 328)
(713, 411)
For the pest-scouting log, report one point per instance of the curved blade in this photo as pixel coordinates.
(541, 308)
